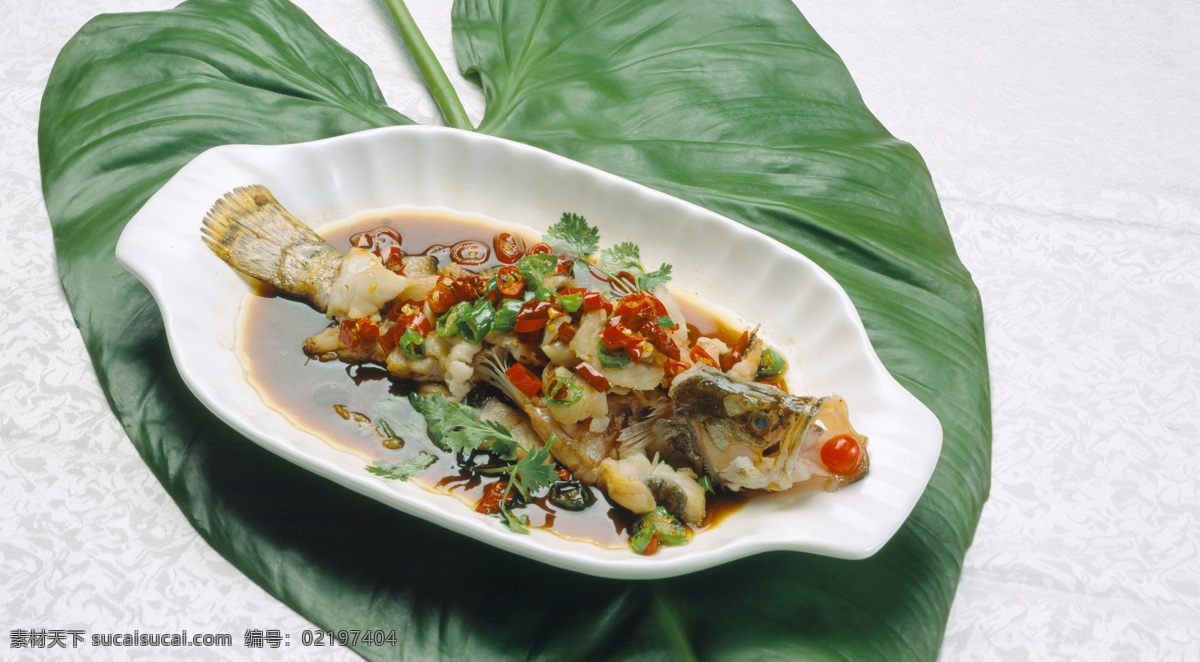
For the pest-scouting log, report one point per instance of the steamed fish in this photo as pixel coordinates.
(590, 352)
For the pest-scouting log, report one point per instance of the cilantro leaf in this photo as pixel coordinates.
(402, 470)
(534, 471)
(573, 235)
(652, 279)
(458, 428)
(625, 255)
(514, 523)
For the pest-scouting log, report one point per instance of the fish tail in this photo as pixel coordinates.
(253, 233)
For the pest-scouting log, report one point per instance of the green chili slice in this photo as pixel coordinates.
(669, 529)
(506, 315)
(476, 321)
(641, 540)
(771, 364)
(447, 324)
(608, 359)
(571, 495)
(562, 392)
(412, 343)
(570, 302)
(535, 268)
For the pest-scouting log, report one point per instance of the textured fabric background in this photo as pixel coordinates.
(1063, 141)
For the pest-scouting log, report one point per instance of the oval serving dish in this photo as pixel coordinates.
(801, 308)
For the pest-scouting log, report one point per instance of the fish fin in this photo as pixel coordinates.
(635, 438)
(490, 367)
(250, 230)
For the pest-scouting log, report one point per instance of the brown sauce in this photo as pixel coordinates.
(342, 404)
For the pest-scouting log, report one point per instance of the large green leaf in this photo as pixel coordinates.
(737, 106)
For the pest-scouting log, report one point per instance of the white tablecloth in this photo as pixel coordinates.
(1064, 140)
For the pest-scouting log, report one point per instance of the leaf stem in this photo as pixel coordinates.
(431, 70)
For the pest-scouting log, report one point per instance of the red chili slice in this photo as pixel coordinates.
(532, 316)
(391, 257)
(567, 331)
(470, 253)
(443, 296)
(508, 248)
(348, 334)
(420, 323)
(367, 328)
(385, 243)
(509, 281)
(406, 308)
(635, 352)
(469, 286)
(539, 249)
(596, 301)
(617, 336)
(489, 504)
(700, 355)
(386, 236)
(524, 379)
(651, 546)
(628, 304)
(388, 339)
(735, 355)
(564, 265)
(661, 339)
(592, 376)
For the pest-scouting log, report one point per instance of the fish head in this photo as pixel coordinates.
(746, 435)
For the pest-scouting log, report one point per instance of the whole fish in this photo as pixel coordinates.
(740, 434)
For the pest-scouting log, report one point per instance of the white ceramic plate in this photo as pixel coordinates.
(802, 309)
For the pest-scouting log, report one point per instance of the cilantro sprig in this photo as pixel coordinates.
(403, 470)
(573, 234)
(460, 428)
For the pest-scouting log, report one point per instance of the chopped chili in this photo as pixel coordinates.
(489, 504)
(700, 355)
(533, 316)
(735, 355)
(524, 379)
(567, 331)
(592, 376)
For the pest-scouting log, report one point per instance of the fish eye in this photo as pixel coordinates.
(761, 423)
